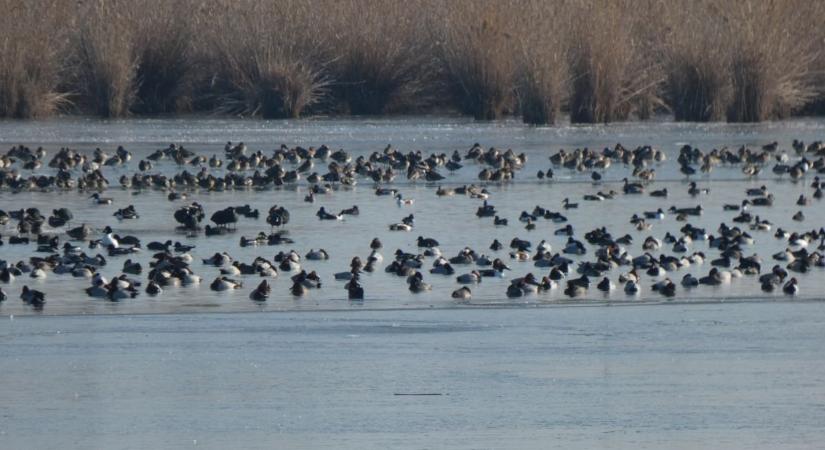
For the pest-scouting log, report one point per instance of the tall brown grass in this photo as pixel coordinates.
(32, 42)
(269, 58)
(106, 57)
(775, 49)
(543, 78)
(385, 63)
(478, 49)
(167, 65)
(696, 64)
(611, 75)
(598, 60)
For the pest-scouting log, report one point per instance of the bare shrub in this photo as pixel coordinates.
(543, 79)
(385, 63)
(478, 52)
(697, 65)
(269, 58)
(774, 55)
(167, 67)
(105, 58)
(610, 72)
(32, 45)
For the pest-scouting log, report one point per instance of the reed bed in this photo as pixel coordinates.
(168, 67)
(386, 64)
(32, 44)
(543, 78)
(596, 61)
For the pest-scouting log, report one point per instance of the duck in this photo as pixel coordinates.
(298, 289)
(156, 246)
(33, 297)
(514, 291)
(761, 191)
(632, 188)
(442, 268)
(463, 293)
(417, 284)
(218, 259)
(108, 240)
(98, 200)
(400, 227)
(736, 207)
(38, 273)
(401, 201)
(6, 275)
(629, 276)
(188, 278)
(768, 285)
(658, 214)
(566, 230)
(127, 213)
(153, 288)
(116, 292)
(80, 233)
(261, 293)
(574, 290)
(497, 270)
(317, 255)
(791, 287)
(693, 190)
(631, 288)
(651, 244)
(689, 281)
(469, 278)
(322, 214)
(763, 201)
(574, 247)
(423, 242)
(714, 278)
(223, 283)
(98, 289)
(665, 287)
(605, 285)
(567, 205)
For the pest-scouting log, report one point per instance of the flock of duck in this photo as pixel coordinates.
(64, 246)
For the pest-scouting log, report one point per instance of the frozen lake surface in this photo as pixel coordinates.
(450, 220)
(726, 367)
(722, 376)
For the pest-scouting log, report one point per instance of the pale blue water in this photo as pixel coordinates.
(726, 367)
(724, 376)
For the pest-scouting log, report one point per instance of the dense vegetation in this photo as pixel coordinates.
(596, 60)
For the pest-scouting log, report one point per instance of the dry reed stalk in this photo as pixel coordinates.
(167, 69)
(385, 63)
(774, 52)
(697, 67)
(544, 77)
(478, 52)
(269, 58)
(32, 44)
(106, 58)
(610, 73)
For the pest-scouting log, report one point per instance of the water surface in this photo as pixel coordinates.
(720, 376)
(450, 220)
